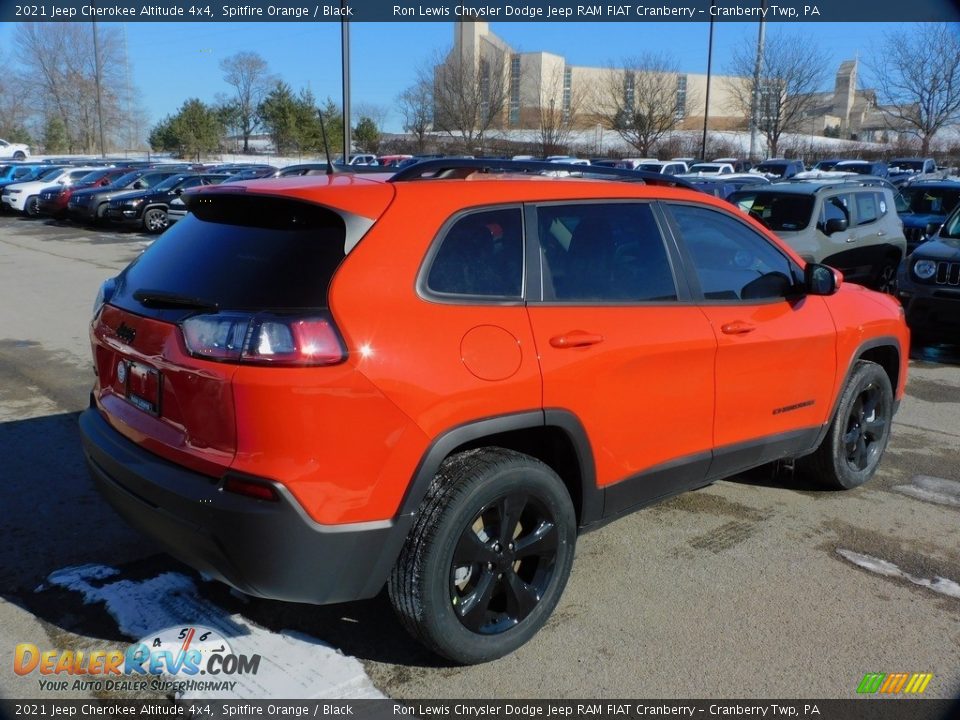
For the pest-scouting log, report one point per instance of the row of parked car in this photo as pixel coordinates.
(141, 195)
(870, 229)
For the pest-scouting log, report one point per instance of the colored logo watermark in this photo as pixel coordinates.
(177, 652)
(894, 683)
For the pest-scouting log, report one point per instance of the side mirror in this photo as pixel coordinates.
(138, 185)
(822, 279)
(178, 191)
(834, 225)
(931, 229)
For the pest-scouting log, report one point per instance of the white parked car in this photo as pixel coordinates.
(24, 197)
(711, 168)
(13, 151)
(664, 167)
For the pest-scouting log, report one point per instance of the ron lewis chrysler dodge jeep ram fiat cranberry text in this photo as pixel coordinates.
(312, 387)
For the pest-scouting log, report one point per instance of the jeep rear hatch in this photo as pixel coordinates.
(243, 279)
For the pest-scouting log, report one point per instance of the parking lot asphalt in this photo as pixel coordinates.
(757, 586)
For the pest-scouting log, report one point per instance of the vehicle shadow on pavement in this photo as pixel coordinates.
(53, 518)
(934, 352)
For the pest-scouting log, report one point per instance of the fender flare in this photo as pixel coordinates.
(591, 498)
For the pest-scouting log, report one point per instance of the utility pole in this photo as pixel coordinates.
(345, 63)
(755, 104)
(96, 70)
(706, 104)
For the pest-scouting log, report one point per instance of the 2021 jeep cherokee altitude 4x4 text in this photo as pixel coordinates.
(312, 387)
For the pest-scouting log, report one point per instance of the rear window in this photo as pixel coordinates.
(242, 253)
(785, 212)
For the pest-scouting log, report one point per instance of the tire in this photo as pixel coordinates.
(31, 208)
(470, 587)
(854, 444)
(155, 220)
(100, 215)
(886, 278)
(19, 155)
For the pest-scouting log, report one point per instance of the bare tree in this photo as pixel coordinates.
(469, 96)
(917, 74)
(416, 106)
(559, 105)
(249, 76)
(638, 100)
(792, 71)
(64, 72)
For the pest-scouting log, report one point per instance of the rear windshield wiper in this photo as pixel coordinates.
(161, 299)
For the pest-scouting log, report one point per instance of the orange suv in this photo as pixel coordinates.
(312, 387)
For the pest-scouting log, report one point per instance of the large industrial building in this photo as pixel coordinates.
(538, 80)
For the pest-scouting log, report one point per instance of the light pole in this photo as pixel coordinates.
(706, 104)
(755, 109)
(345, 63)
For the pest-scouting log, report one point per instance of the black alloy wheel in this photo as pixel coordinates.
(503, 563)
(488, 556)
(866, 428)
(851, 451)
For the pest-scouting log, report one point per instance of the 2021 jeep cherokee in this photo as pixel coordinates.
(312, 387)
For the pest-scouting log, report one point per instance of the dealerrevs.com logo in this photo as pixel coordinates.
(181, 653)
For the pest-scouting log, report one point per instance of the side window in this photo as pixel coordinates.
(866, 207)
(732, 261)
(481, 255)
(836, 207)
(603, 252)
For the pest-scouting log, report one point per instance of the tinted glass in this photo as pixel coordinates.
(170, 182)
(936, 201)
(732, 261)
(242, 253)
(603, 252)
(786, 212)
(867, 210)
(481, 255)
(836, 208)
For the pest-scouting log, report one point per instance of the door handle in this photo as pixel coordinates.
(850, 239)
(575, 338)
(737, 327)
(880, 233)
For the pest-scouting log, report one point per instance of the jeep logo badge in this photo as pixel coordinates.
(126, 333)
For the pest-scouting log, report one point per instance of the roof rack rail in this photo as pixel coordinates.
(459, 168)
(833, 183)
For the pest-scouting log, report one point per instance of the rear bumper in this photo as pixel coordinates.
(262, 548)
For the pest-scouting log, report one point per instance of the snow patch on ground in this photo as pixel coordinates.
(932, 489)
(941, 585)
(293, 665)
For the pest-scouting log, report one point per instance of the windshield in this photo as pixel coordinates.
(125, 180)
(859, 168)
(787, 212)
(772, 168)
(930, 201)
(170, 183)
(826, 165)
(95, 175)
(51, 174)
(700, 167)
(911, 165)
(649, 167)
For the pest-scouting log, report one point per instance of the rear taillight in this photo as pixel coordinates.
(264, 339)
